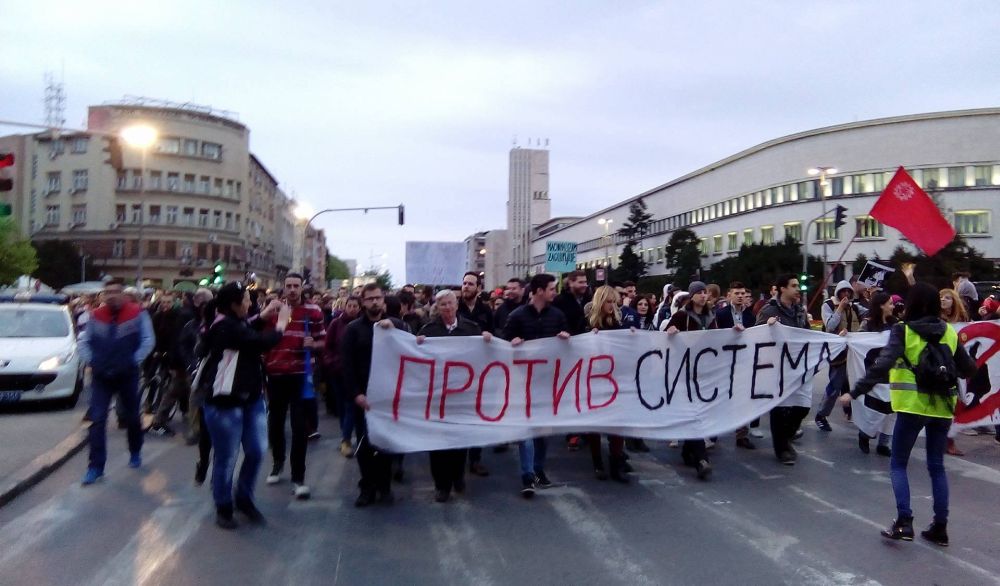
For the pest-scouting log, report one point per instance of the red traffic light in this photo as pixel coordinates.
(6, 160)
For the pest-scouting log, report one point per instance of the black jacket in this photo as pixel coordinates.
(794, 316)
(356, 351)
(437, 329)
(932, 327)
(724, 317)
(231, 333)
(527, 323)
(567, 303)
(480, 313)
(686, 320)
(502, 313)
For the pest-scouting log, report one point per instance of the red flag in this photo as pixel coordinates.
(906, 207)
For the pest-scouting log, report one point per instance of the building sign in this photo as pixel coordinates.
(560, 257)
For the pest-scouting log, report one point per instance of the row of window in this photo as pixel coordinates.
(966, 222)
(77, 145)
(189, 147)
(190, 253)
(131, 179)
(53, 181)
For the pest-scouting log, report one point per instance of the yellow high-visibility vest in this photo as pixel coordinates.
(903, 392)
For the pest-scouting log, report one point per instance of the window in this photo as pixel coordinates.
(749, 201)
(136, 217)
(868, 227)
(120, 213)
(229, 188)
(58, 147)
(136, 179)
(229, 220)
(170, 248)
(768, 197)
(217, 187)
(758, 199)
(118, 250)
(748, 236)
(52, 215)
(956, 176)
(732, 237)
(793, 192)
(173, 182)
(211, 150)
(202, 250)
(189, 183)
(793, 230)
(152, 248)
(767, 234)
(188, 218)
(807, 190)
(154, 214)
(703, 246)
(717, 244)
(837, 185)
(203, 218)
(169, 146)
(879, 181)
(80, 145)
(54, 181)
(156, 180)
(190, 147)
(217, 219)
(80, 214)
(972, 223)
(80, 179)
(171, 215)
(203, 184)
(186, 251)
(930, 178)
(826, 231)
(861, 183)
(984, 175)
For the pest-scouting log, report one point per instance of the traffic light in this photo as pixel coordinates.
(6, 160)
(804, 282)
(841, 217)
(219, 273)
(401, 209)
(114, 150)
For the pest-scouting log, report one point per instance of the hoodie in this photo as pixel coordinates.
(833, 320)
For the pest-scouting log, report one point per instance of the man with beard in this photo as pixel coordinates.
(513, 297)
(473, 309)
(571, 301)
(375, 464)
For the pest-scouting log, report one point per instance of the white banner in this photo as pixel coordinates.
(980, 395)
(458, 392)
(869, 411)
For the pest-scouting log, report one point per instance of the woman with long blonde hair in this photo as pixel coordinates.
(606, 315)
(952, 309)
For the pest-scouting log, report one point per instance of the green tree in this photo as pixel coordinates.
(17, 256)
(630, 267)
(336, 268)
(384, 279)
(957, 256)
(683, 255)
(859, 264)
(757, 266)
(637, 225)
(59, 263)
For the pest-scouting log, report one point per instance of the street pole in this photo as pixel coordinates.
(142, 218)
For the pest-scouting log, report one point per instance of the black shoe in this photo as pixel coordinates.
(745, 443)
(200, 472)
(364, 499)
(162, 430)
(787, 458)
(459, 486)
(823, 424)
(704, 469)
(626, 467)
(863, 443)
(478, 469)
(224, 517)
(798, 434)
(618, 473)
(441, 496)
(541, 480)
(883, 450)
(385, 497)
(527, 485)
(600, 473)
(637, 445)
(937, 533)
(901, 528)
(250, 511)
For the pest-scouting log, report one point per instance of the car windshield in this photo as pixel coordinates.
(32, 323)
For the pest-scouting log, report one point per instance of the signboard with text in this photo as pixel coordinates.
(560, 257)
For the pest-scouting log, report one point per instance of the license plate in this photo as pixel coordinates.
(10, 396)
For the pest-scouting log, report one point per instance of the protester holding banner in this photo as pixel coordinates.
(841, 315)
(513, 297)
(538, 319)
(737, 314)
(472, 308)
(233, 376)
(646, 312)
(879, 319)
(922, 400)
(786, 309)
(696, 315)
(953, 311)
(448, 466)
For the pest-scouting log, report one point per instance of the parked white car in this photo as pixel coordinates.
(38, 355)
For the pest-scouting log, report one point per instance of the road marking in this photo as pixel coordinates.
(459, 547)
(760, 474)
(989, 575)
(585, 519)
(827, 463)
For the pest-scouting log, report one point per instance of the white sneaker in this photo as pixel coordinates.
(673, 444)
(755, 432)
(300, 491)
(273, 479)
(709, 444)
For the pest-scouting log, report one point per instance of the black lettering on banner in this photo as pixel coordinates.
(758, 366)
(824, 349)
(803, 358)
(638, 385)
(697, 385)
(734, 348)
(685, 365)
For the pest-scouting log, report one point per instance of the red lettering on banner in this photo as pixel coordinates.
(506, 391)
(527, 385)
(446, 390)
(557, 394)
(606, 375)
(399, 385)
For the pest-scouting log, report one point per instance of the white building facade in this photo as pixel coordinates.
(528, 203)
(766, 192)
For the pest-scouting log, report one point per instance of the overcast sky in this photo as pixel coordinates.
(381, 103)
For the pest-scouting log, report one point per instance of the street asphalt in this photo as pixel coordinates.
(754, 522)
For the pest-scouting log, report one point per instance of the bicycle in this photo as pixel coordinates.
(157, 378)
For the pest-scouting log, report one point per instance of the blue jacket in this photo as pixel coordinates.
(115, 343)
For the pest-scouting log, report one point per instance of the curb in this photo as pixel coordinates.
(44, 465)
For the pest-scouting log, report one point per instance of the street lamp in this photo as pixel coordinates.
(606, 222)
(823, 173)
(140, 136)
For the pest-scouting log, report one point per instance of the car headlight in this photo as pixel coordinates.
(54, 362)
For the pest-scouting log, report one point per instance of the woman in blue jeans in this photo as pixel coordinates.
(233, 380)
(918, 406)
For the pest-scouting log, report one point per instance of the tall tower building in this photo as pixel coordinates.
(528, 203)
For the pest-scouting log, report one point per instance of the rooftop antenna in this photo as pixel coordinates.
(55, 102)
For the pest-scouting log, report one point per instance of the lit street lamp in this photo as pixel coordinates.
(606, 222)
(140, 136)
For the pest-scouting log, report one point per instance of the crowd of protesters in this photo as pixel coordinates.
(242, 361)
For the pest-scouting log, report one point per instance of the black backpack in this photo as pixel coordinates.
(935, 369)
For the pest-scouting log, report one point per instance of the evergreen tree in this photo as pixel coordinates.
(59, 264)
(17, 256)
(630, 267)
(637, 226)
(683, 255)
